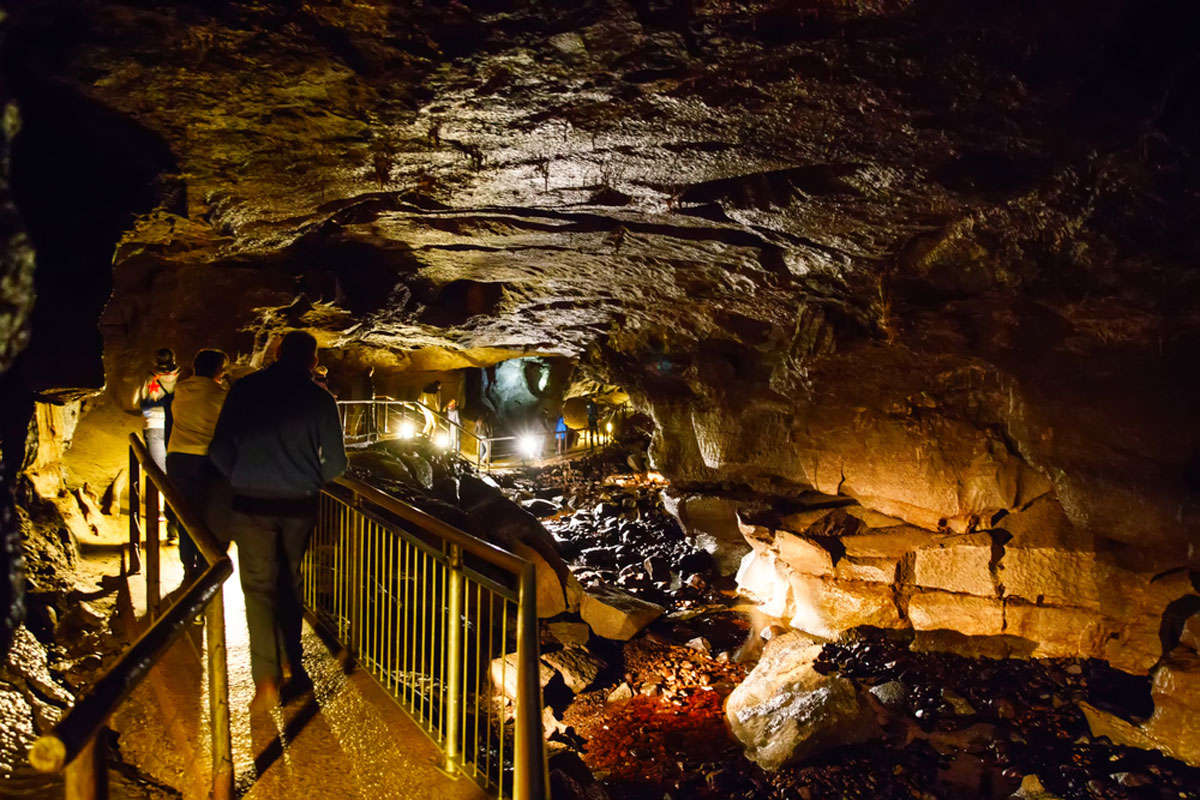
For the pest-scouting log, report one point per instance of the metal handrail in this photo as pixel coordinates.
(376, 507)
(73, 744)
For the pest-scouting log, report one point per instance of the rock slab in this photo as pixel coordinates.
(785, 712)
(614, 614)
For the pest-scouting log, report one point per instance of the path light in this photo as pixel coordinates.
(407, 431)
(442, 440)
(608, 427)
(531, 445)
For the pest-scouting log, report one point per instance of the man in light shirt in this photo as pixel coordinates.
(195, 409)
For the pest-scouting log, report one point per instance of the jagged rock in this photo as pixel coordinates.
(803, 554)
(577, 667)
(1032, 789)
(657, 568)
(712, 523)
(540, 508)
(570, 779)
(420, 469)
(503, 673)
(827, 607)
(893, 694)
(1190, 636)
(758, 579)
(571, 634)
(551, 724)
(785, 712)
(622, 692)
(614, 614)
(1175, 723)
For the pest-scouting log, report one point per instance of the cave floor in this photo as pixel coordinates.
(347, 739)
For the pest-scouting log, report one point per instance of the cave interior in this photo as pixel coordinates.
(888, 309)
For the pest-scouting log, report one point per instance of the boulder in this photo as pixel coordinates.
(570, 634)
(577, 667)
(503, 672)
(785, 712)
(803, 554)
(758, 580)
(614, 614)
(1031, 788)
(570, 779)
(1175, 724)
(551, 598)
(712, 525)
(826, 607)
(540, 508)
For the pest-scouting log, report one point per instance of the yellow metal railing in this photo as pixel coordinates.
(444, 621)
(76, 746)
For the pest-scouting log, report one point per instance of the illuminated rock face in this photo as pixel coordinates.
(935, 263)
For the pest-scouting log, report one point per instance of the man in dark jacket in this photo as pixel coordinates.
(278, 440)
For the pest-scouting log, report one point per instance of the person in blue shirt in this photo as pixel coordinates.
(278, 440)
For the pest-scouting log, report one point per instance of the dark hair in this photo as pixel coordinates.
(164, 360)
(298, 349)
(208, 363)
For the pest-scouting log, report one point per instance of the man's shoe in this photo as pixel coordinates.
(266, 695)
(296, 686)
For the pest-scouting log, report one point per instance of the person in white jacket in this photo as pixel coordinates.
(195, 409)
(153, 398)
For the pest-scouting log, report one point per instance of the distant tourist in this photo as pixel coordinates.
(196, 407)
(153, 398)
(455, 419)
(431, 400)
(593, 422)
(561, 433)
(279, 441)
(483, 436)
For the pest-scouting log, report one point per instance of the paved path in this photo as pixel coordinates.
(348, 739)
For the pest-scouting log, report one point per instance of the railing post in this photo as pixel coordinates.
(529, 765)
(153, 588)
(218, 699)
(454, 660)
(135, 513)
(87, 774)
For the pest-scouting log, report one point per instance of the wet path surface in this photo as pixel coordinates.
(346, 739)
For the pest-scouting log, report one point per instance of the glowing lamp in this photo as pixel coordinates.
(442, 440)
(608, 427)
(531, 445)
(407, 430)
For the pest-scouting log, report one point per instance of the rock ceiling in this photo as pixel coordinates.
(649, 164)
(894, 209)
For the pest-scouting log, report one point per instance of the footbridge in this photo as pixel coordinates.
(422, 641)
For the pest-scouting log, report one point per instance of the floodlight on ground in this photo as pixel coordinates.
(407, 430)
(442, 440)
(530, 445)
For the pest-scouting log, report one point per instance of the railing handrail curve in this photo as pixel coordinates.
(471, 544)
(54, 750)
(77, 730)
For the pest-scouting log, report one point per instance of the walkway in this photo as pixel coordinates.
(348, 739)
